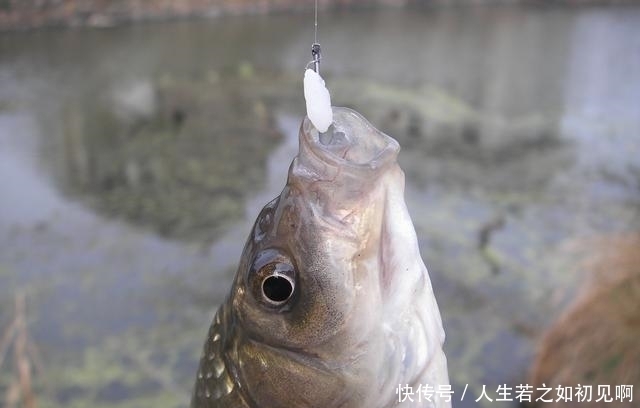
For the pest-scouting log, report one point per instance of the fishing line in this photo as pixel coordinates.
(315, 48)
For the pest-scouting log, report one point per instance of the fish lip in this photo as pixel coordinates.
(312, 150)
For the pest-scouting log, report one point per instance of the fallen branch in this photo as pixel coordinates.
(24, 351)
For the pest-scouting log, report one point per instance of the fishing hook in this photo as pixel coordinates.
(315, 54)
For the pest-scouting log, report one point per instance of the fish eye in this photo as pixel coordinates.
(277, 289)
(272, 278)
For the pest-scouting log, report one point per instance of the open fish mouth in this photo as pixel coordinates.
(350, 142)
(338, 169)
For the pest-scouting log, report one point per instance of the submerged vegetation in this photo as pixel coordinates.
(179, 164)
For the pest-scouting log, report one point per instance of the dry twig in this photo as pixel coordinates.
(16, 335)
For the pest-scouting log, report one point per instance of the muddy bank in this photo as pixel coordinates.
(70, 13)
(29, 14)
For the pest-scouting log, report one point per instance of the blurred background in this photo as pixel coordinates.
(138, 141)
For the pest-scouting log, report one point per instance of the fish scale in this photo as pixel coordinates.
(215, 386)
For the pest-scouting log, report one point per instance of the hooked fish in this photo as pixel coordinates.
(332, 305)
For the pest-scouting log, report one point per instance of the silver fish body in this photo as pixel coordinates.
(332, 305)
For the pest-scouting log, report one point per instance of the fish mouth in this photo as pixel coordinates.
(351, 143)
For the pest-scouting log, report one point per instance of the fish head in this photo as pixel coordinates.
(309, 269)
(324, 300)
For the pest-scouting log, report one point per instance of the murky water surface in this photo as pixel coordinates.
(133, 161)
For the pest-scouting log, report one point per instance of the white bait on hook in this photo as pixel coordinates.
(318, 101)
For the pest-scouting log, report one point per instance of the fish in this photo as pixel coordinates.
(331, 305)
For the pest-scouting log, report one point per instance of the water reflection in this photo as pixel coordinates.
(134, 160)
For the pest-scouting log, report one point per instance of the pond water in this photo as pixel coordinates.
(133, 161)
